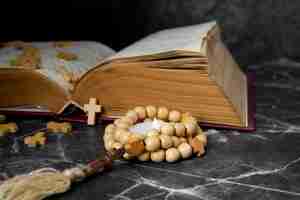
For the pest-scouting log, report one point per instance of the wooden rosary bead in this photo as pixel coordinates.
(132, 115)
(197, 146)
(127, 120)
(110, 129)
(199, 130)
(137, 136)
(158, 156)
(162, 113)
(172, 155)
(152, 143)
(191, 129)
(148, 120)
(108, 136)
(182, 139)
(167, 129)
(151, 111)
(121, 124)
(202, 138)
(135, 148)
(166, 141)
(144, 157)
(176, 141)
(118, 133)
(109, 145)
(124, 137)
(153, 132)
(179, 129)
(174, 116)
(117, 121)
(187, 118)
(185, 150)
(141, 111)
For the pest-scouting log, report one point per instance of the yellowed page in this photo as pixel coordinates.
(88, 54)
(187, 38)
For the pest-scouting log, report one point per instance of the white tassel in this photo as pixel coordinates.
(45, 182)
(35, 186)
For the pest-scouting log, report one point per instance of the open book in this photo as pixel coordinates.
(186, 68)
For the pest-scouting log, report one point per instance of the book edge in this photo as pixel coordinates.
(216, 71)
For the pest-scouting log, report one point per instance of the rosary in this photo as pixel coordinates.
(144, 133)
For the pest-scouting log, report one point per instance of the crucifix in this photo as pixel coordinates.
(92, 108)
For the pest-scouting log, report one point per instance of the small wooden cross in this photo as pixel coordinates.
(92, 108)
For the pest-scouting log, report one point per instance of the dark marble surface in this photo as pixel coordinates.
(260, 165)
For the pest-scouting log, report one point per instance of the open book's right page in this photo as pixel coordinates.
(187, 38)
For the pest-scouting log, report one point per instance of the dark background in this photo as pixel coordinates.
(253, 30)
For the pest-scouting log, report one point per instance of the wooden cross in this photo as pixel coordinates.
(92, 108)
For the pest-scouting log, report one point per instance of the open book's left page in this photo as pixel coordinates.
(63, 62)
(45, 73)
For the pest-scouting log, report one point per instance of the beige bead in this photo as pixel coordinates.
(153, 132)
(119, 132)
(109, 133)
(197, 146)
(162, 113)
(144, 157)
(109, 145)
(182, 139)
(110, 129)
(141, 111)
(185, 150)
(167, 129)
(158, 156)
(148, 120)
(202, 138)
(179, 129)
(108, 137)
(151, 111)
(187, 118)
(132, 115)
(152, 143)
(138, 136)
(166, 141)
(135, 147)
(117, 121)
(199, 130)
(191, 129)
(176, 141)
(174, 116)
(172, 155)
(124, 137)
(121, 124)
(127, 120)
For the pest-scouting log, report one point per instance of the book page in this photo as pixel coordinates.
(187, 38)
(62, 62)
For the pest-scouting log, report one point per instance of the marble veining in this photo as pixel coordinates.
(263, 164)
